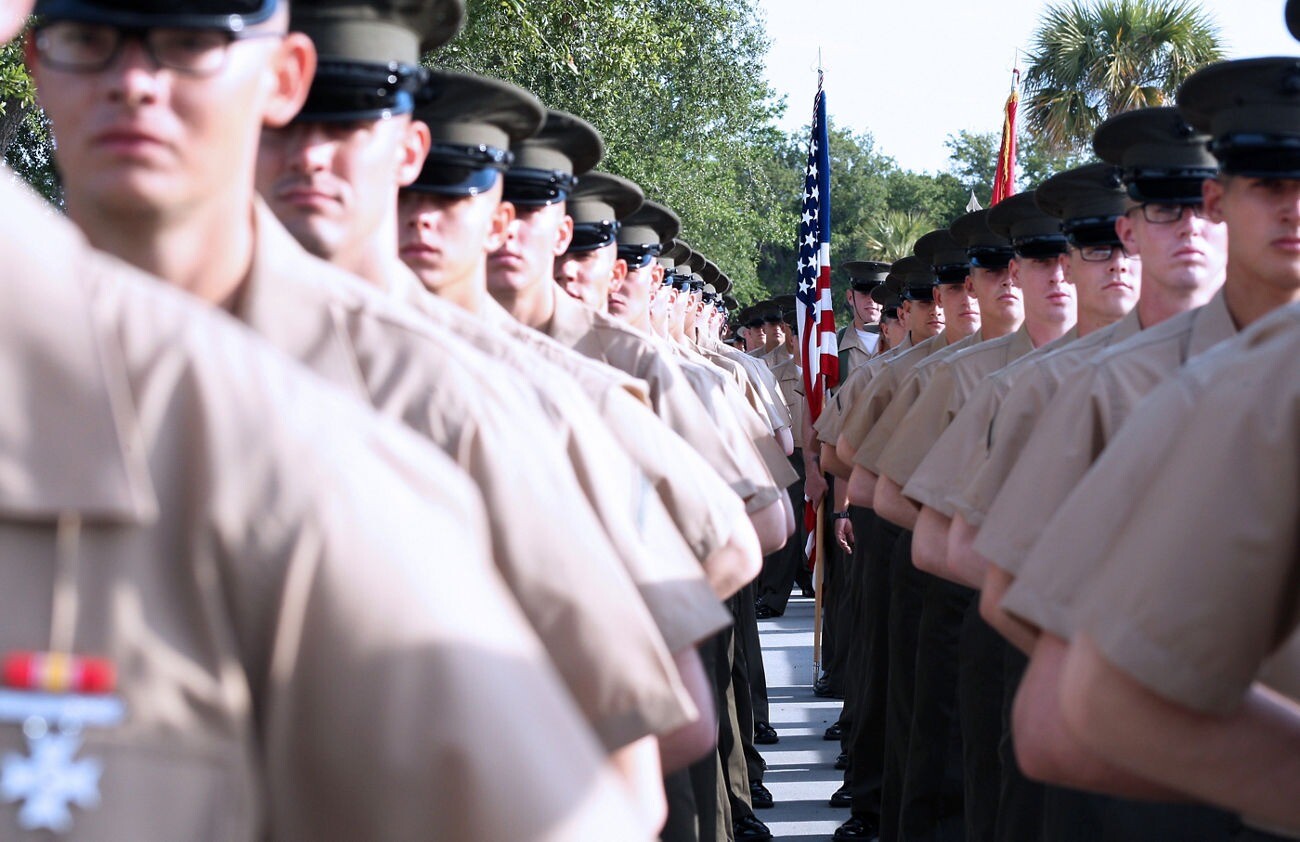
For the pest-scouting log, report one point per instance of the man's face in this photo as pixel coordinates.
(894, 330)
(961, 310)
(999, 299)
(534, 239)
(924, 318)
(1263, 216)
(1107, 288)
(589, 275)
(136, 138)
(333, 185)
(1182, 257)
(445, 240)
(773, 334)
(1048, 297)
(865, 309)
(753, 338)
(629, 299)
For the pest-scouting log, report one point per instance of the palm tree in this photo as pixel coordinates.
(1090, 60)
(891, 236)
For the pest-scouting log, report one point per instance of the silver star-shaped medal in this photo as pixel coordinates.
(49, 780)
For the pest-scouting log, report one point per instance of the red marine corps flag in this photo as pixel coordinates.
(1004, 182)
(821, 361)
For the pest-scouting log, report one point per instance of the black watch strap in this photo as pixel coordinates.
(840, 515)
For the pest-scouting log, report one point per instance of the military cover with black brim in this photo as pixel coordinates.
(915, 279)
(1250, 108)
(1087, 200)
(1161, 157)
(1033, 234)
(597, 205)
(230, 16)
(643, 235)
(945, 256)
(548, 165)
(368, 65)
(473, 123)
(865, 275)
(984, 248)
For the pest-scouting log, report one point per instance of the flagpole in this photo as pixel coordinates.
(818, 590)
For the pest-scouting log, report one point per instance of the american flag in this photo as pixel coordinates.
(821, 363)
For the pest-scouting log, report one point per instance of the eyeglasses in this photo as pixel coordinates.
(1158, 213)
(1098, 253)
(91, 47)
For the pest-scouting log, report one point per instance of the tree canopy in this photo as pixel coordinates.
(1094, 58)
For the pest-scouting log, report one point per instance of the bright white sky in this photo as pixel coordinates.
(913, 71)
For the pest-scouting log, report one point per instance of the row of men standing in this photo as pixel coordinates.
(424, 506)
(1065, 493)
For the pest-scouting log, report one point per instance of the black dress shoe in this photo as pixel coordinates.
(759, 796)
(765, 734)
(808, 593)
(857, 829)
(842, 762)
(835, 732)
(842, 797)
(763, 612)
(823, 689)
(750, 829)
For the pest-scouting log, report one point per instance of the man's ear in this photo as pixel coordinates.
(657, 273)
(564, 235)
(1212, 199)
(293, 66)
(12, 16)
(502, 217)
(415, 148)
(1124, 230)
(619, 275)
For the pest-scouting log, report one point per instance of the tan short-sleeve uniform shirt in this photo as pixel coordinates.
(259, 556)
(1197, 614)
(1058, 559)
(578, 595)
(1017, 410)
(963, 446)
(951, 384)
(877, 413)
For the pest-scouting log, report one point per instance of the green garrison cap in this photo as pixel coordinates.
(1087, 200)
(865, 275)
(377, 31)
(473, 121)
(729, 301)
(1293, 17)
(1161, 158)
(1032, 233)
(1251, 110)
(940, 251)
(651, 224)
(984, 248)
(225, 15)
(672, 252)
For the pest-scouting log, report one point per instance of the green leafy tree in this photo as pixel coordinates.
(973, 161)
(894, 233)
(1090, 60)
(25, 135)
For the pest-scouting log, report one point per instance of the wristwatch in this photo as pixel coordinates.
(844, 515)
